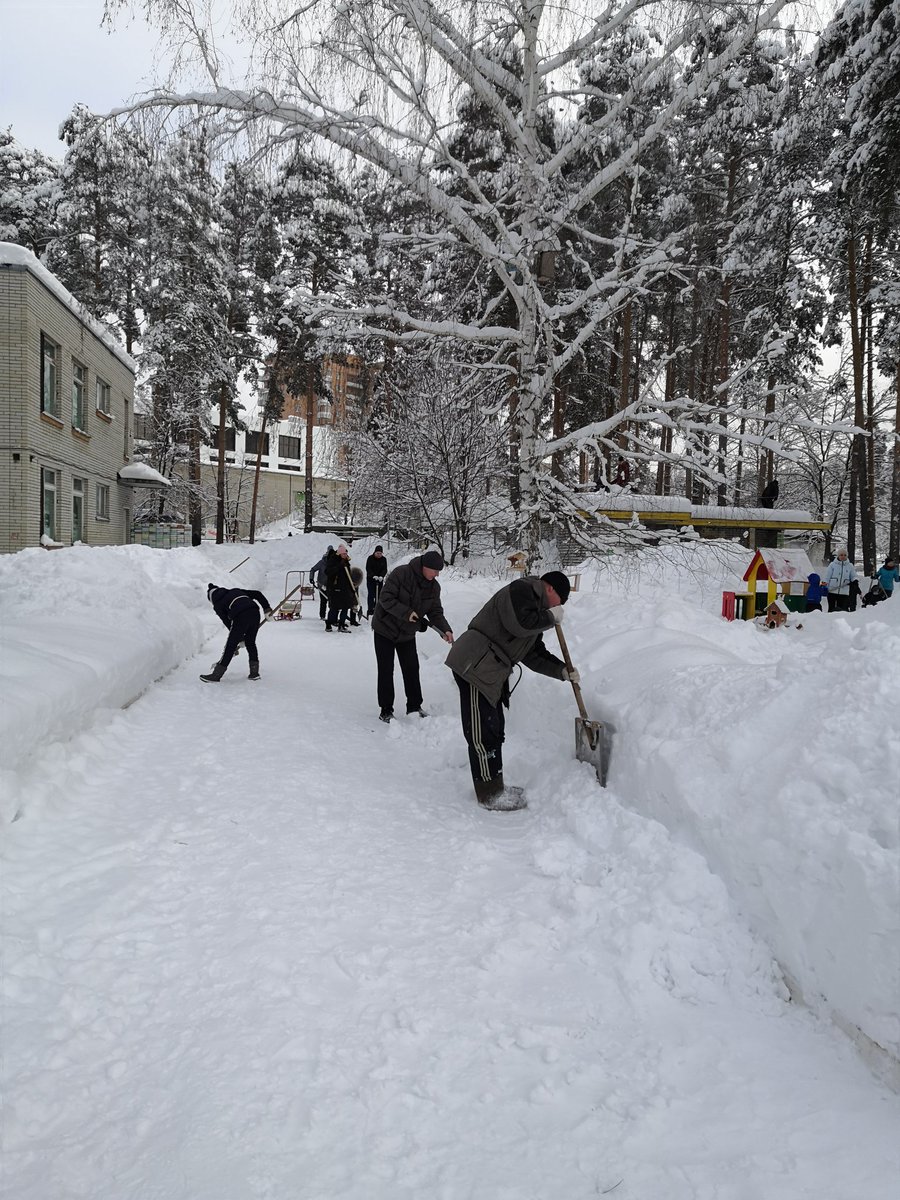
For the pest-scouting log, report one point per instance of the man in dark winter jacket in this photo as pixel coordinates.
(317, 579)
(508, 630)
(239, 611)
(376, 569)
(410, 601)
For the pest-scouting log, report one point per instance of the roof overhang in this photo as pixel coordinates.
(141, 475)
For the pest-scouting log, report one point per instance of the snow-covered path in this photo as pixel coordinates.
(279, 953)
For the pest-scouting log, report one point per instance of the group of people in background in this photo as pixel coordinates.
(337, 583)
(402, 603)
(840, 585)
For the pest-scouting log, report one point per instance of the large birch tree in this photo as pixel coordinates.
(378, 82)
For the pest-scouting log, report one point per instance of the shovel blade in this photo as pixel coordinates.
(593, 744)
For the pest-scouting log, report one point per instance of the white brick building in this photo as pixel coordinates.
(66, 405)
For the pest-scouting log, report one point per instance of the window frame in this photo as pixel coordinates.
(102, 390)
(50, 484)
(101, 502)
(79, 493)
(50, 355)
(254, 452)
(285, 440)
(79, 396)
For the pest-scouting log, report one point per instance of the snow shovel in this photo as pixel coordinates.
(593, 739)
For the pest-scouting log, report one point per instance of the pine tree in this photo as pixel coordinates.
(29, 195)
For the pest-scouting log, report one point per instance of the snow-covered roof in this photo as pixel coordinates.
(140, 474)
(615, 501)
(784, 565)
(629, 502)
(744, 513)
(12, 255)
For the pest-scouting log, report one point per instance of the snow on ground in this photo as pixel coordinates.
(257, 945)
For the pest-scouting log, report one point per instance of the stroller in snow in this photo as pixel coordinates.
(875, 594)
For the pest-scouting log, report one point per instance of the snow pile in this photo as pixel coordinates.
(776, 755)
(88, 629)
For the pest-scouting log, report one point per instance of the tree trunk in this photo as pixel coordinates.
(259, 454)
(559, 411)
(894, 534)
(767, 458)
(220, 473)
(863, 483)
(723, 355)
(195, 512)
(308, 463)
(664, 469)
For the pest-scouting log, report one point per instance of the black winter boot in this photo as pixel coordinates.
(496, 797)
(254, 670)
(215, 674)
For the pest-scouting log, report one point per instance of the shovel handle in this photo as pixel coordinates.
(579, 700)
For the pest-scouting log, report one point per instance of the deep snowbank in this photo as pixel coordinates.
(776, 755)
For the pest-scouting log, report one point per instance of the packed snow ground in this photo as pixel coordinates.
(257, 945)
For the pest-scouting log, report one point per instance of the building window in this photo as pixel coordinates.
(78, 491)
(49, 491)
(126, 422)
(102, 392)
(102, 507)
(214, 439)
(324, 410)
(79, 397)
(49, 392)
(289, 447)
(253, 444)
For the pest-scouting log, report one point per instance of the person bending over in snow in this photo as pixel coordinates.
(508, 630)
(240, 613)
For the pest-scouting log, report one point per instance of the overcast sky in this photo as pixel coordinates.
(53, 54)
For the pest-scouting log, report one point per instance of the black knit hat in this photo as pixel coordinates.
(377, 548)
(559, 583)
(210, 587)
(433, 561)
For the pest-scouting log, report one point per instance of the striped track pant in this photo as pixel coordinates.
(483, 727)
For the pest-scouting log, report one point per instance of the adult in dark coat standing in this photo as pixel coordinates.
(376, 569)
(508, 630)
(342, 596)
(239, 611)
(769, 494)
(410, 601)
(317, 579)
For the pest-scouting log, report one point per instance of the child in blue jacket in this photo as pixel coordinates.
(888, 575)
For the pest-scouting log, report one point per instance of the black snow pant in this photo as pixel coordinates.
(838, 603)
(373, 584)
(336, 616)
(483, 726)
(244, 628)
(408, 657)
(323, 606)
